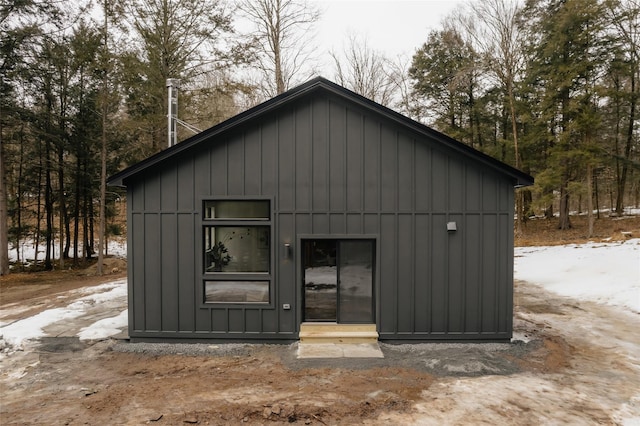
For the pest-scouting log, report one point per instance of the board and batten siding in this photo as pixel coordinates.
(330, 168)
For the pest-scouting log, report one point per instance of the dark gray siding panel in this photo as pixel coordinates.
(389, 173)
(337, 158)
(438, 181)
(285, 280)
(473, 268)
(337, 223)
(206, 177)
(169, 188)
(354, 223)
(153, 274)
(388, 273)
(288, 168)
(372, 174)
(405, 277)
(253, 321)
(423, 169)
(236, 320)
(236, 175)
(489, 273)
(439, 270)
(219, 320)
(269, 159)
(455, 276)
(320, 224)
(136, 264)
(185, 186)
(169, 268)
(187, 297)
(406, 173)
(473, 193)
(320, 157)
(253, 157)
(354, 162)
(422, 283)
(300, 160)
(456, 190)
(215, 173)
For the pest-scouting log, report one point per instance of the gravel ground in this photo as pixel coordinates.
(438, 359)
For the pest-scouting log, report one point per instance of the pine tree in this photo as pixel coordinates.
(567, 53)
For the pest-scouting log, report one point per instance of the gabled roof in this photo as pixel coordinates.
(316, 85)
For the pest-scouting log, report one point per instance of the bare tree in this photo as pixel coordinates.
(398, 72)
(494, 27)
(103, 150)
(283, 35)
(365, 71)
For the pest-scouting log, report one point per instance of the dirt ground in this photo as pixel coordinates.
(576, 363)
(544, 232)
(571, 362)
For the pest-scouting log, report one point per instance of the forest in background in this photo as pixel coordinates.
(550, 87)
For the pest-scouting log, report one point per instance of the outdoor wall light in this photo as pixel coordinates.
(287, 251)
(452, 227)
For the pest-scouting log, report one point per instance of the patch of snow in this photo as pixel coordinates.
(105, 327)
(607, 273)
(16, 333)
(116, 247)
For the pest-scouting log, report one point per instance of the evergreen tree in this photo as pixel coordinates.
(565, 38)
(444, 71)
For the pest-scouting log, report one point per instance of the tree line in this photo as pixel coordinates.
(547, 86)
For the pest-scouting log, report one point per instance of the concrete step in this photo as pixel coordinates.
(338, 333)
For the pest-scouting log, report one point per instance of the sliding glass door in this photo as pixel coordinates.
(338, 280)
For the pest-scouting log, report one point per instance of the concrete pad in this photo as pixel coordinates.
(339, 350)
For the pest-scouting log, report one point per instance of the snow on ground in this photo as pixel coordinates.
(607, 273)
(105, 327)
(17, 332)
(115, 247)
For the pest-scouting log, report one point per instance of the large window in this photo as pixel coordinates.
(237, 251)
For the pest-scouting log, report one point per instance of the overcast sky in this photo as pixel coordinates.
(392, 27)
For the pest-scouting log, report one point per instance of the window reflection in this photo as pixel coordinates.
(236, 249)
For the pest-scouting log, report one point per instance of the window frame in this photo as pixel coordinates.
(209, 276)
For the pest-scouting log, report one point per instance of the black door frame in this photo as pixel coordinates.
(338, 237)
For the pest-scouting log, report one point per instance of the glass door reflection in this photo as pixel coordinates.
(338, 280)
(320, 280)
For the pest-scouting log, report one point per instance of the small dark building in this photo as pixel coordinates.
(320, 205)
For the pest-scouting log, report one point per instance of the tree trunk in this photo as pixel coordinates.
(514, 131)
(61, 203)
(4, 231)
(103, 152)
(622, 182)
(19, 205)
(565, 221)
(48, 208)
(39, 204)
(86, 213)
(48, 189)
(590, 199)
(595, 185)
(78, 195)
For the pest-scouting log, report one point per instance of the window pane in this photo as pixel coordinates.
(356, 278)
(236, 249)
(235, 209)
(236, 292)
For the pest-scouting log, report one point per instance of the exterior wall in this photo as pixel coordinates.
(329, 168)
